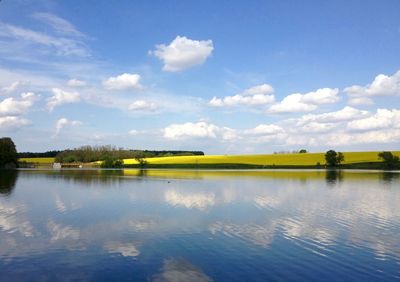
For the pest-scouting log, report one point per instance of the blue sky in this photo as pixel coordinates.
(219, 76)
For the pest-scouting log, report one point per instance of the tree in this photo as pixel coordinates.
(333, 159)
(110, 162)
(140, 158)
(389, 160)
(8, 153)
(303, 151)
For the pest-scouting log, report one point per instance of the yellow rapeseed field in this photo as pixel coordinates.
(268, 160)
(37, 160)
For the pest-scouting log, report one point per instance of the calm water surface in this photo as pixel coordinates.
(164, 225)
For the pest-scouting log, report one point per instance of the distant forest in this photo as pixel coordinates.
(94, 153)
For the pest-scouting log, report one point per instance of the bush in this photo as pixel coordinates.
(8, 153)
(389, 160)
(110, 162)
(333, 159)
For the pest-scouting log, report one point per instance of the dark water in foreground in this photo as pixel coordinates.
(199, 226)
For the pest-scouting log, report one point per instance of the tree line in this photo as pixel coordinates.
(88, 154)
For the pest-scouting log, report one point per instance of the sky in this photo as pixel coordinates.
(224, 77)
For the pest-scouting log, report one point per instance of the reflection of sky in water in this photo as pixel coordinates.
(199, 226)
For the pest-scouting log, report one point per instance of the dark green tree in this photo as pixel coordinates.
(333, 158)
(303, 151)
(111, 162)
(140, 158)
(390, 161)
(8, 153)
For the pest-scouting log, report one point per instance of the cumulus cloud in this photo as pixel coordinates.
(203, 129)
(292, 103)
(63, 122)
(123, 82)
(306, 102)
(359, 101)
(382, 119)
(76, 83)
(199, 129)
(14, 107)
(322, 96)
(13, 123)
(317, 127)
(61, 97)
(265, 129)
(183, 53)
(368, 137)
(345, 114)
(382, 85)
(256, 95)
(12, 87)
(142, 105)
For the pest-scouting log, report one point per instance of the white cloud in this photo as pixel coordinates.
(133, 132)
(306, 102)
(262, 89)
(382, 119)
(322, 96)
(203, 129)
(13, 107)
(292, 103)
(183, 53)
(63, 122)
(369, 137)
(61, 97)
(200, 129)
(317, 127)
(345, 114)
(12, 122)
(141, 105)
(76, 83)
(63, 46)
(265, 129)
(382, 85)
(229, 134)
(60, 25)
(257, 95)
(358, 101)
(123, 82)
(12, 87)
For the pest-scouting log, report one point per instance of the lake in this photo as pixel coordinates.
(181, 225)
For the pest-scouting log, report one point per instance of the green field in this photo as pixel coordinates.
(308, 159)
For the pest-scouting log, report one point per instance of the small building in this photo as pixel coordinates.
(56, 165)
